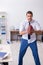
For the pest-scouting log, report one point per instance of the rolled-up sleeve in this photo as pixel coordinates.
(21, 27)
(38, 27)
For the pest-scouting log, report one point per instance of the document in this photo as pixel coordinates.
(3, 55)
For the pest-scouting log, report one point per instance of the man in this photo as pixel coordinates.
(28, 30)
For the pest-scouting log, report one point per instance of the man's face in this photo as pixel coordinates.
(29, 17)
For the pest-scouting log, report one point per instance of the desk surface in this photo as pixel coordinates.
(14, 31)
(6, 48)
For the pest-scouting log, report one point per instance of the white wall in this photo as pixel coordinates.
(16, 10)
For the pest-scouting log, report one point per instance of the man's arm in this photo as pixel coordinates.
(27, 31)
(38, 30)
(22, 32)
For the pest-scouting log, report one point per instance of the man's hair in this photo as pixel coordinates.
(29, 12)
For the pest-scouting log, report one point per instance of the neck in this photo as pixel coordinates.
(30, 21)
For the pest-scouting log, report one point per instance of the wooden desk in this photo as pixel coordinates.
(14, 35)
(6, 48)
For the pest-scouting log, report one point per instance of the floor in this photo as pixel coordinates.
(28, 58)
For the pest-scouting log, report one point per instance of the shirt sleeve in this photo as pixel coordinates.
(37, 26)
(21, 28)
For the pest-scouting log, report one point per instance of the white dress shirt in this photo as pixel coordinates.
(23, 27)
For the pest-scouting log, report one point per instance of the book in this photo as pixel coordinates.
(3, 55)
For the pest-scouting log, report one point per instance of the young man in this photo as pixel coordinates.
(28, 30)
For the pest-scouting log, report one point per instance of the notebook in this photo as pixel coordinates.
(3, 55)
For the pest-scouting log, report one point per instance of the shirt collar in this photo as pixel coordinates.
(30, 21)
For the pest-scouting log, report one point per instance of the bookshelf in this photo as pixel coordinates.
(3, 26)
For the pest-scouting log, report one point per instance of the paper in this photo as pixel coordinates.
(3, 55)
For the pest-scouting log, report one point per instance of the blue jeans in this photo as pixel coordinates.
(23, 48)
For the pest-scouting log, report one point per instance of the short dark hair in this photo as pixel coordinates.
(29, 12)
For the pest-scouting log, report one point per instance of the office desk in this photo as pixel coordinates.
(6, 48)
(14, 35)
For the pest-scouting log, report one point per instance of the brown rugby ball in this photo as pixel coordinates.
(30, 28)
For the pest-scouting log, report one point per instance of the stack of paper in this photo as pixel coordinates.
(3, 55)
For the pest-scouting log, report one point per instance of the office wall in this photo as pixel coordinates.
(16, 10)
